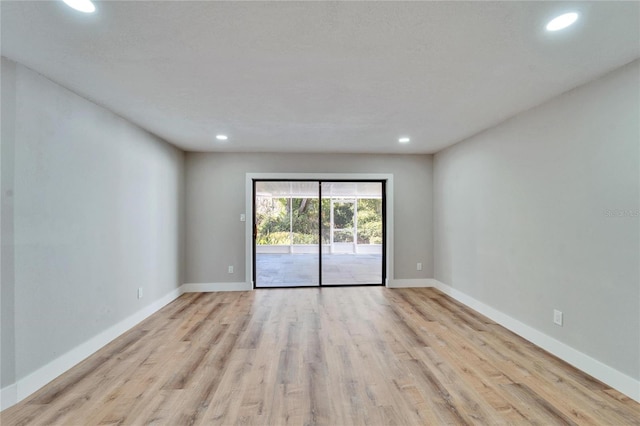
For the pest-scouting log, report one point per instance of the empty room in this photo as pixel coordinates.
(319, 212)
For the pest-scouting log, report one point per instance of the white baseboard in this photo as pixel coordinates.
(8, 396)
(208, 287)
(606, 374)
(409, 283)
(24, 387)
(16, 392)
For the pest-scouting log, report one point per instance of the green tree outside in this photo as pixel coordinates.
(276, 226)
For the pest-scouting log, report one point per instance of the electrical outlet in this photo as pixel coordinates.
(231, 269)
(419, 266)
(557, 317)
(139, 292)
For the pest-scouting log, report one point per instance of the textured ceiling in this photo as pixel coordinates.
(319, 76)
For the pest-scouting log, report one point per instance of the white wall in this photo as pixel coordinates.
(216, 197)
(522, 218)
(92, 209)
(7, 287)
(97, 207)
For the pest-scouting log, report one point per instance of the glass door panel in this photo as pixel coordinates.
(352, 220)
(312, 233)
(286, 234)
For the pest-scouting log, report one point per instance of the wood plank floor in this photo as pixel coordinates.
(334, 356)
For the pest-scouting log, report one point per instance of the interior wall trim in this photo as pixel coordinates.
(603, 372)
(16, 392)
(210, 287)
(410, 283)
(8, 396)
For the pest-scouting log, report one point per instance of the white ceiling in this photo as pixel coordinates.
(319, 76)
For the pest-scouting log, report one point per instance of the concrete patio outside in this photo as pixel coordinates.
(296, 270)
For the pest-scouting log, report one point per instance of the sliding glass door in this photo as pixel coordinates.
(314, 233)
(286, 234)
(353, 233)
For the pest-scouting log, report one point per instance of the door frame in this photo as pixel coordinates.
(387, 178)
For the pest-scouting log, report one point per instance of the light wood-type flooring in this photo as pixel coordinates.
(334, 356)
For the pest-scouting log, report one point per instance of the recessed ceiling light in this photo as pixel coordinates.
(222, 137)
(404, 139)
(562, 21)
(85, 6)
